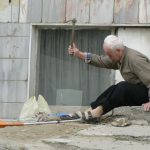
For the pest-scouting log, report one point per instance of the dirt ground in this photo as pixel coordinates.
(33, 133)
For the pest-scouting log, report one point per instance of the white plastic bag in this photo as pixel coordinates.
(43, 105)
(30, 108)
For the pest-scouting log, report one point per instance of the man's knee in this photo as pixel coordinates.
(122, 89)
(122, 85)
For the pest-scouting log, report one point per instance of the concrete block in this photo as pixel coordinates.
(14, 47)
(10, 110)
(14, 69)
(13, 91)
(14, 29)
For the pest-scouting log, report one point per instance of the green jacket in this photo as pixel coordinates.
(134, 66)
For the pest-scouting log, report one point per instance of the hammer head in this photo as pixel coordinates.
(72, 20)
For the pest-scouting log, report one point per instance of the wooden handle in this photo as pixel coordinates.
(5, 124)
(73, 32)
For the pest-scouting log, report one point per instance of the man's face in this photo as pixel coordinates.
(113, 55)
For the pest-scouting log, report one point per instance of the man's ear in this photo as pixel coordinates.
(118, 50)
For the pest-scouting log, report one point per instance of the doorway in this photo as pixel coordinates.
(64, 79)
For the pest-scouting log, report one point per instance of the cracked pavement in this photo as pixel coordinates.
(72, 136)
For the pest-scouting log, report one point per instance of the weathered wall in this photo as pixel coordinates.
(15, 19)
(14, 54)
(86, 11)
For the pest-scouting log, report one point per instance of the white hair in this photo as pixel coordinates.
(113, 42)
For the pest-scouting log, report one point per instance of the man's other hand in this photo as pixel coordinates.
(73, 50)
(146, 106)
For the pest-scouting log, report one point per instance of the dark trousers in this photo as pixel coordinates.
(122, 94)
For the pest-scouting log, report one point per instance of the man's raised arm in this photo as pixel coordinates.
(101, 61)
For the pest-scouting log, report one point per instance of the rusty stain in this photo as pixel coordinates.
(71, 7)
(126, 11)
(117, 3)
(117, 6)
(87, 3)
(78, 9)
(62, 12)
(123, 4)
(129, 4)
(61, 16)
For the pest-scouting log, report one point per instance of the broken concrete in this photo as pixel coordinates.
(72, 136)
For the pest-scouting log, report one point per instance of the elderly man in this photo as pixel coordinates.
(134, 68)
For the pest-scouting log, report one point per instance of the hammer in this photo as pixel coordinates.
(73, 31)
